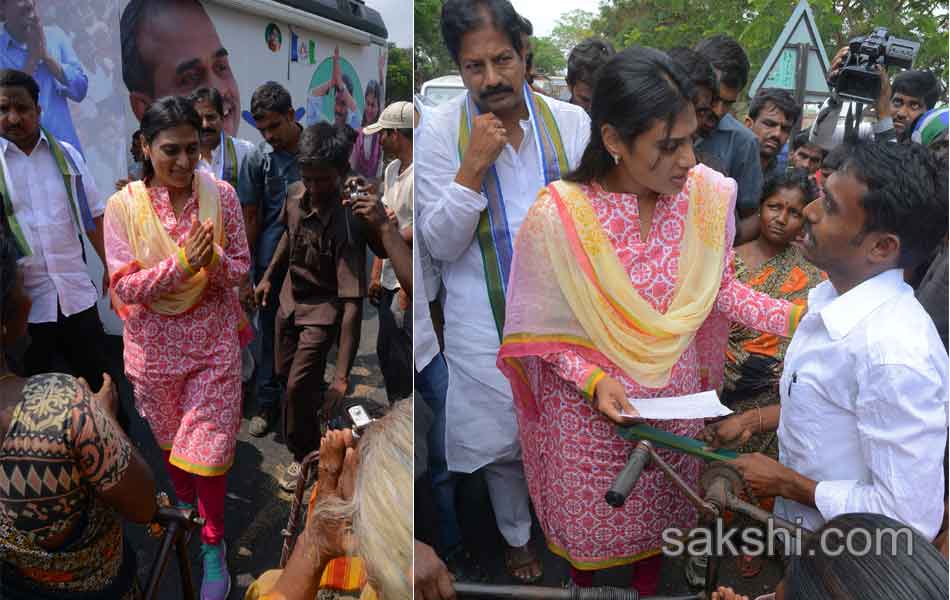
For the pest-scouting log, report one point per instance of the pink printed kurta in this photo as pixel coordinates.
(572, 453)
(185, 369)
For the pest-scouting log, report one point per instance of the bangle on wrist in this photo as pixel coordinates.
(183, 262)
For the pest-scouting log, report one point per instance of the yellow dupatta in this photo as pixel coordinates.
(151, 243)
(568, 288)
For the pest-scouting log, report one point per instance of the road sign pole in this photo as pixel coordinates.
(801, 79)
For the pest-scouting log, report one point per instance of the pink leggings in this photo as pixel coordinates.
(646, 576)
(210, 493)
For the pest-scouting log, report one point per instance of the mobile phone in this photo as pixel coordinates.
(360, 419)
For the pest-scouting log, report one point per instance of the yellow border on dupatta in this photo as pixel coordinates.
(602, 564)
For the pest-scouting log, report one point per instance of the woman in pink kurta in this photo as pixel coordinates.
(634, 255)
(176, 249)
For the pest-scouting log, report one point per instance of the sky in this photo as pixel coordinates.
(543, 15)
(397, 15)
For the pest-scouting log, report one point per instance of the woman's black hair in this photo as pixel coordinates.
(793, 179)
(326, 144)
(904, 565)
(166, 113)
(372, 87)
(635, 88)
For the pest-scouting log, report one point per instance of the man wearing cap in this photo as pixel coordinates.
(394, 341)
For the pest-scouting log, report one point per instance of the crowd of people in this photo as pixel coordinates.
(229, 263)
(643, 241)
(650, 239)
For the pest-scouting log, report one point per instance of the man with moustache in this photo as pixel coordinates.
(47, 55)
(50, 198)
(171, 47)
(772, 115)
(804, 154)
(221, 154)
(863, 412)
(486, 155)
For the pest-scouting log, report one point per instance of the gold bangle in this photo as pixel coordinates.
(758, 409)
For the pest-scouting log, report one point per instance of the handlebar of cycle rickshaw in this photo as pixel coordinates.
(724, 489)
(175, 526)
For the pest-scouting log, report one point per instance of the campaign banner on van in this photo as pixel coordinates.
(100, 63)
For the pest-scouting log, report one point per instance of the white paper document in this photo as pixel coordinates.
(703, 405)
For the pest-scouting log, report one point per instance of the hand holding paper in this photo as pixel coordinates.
(691, 406)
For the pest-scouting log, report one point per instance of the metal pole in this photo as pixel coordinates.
(801, 80)
(184, 566)
(161, 561)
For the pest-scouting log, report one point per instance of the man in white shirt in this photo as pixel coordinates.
(862, 424)
(394, 340)
(49, 199)
(472, 198)
(223, 156)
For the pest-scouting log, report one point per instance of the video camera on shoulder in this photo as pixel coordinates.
(858, 80)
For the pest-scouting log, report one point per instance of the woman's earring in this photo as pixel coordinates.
(616, 158)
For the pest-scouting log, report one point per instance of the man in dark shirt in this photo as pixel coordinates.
(323, 251)
(772, 115)
(266, 174)
(734, 146)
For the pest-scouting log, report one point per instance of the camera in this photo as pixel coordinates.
(858, 80)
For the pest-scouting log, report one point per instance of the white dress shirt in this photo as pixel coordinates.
(481, 427)
(55, 273)
(425, 288)
(864, 396)
(398, 197)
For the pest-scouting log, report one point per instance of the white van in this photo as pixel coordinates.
(442, 89)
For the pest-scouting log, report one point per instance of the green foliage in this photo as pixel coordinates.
(665, 24)
(756, 24)
(399, 74)
(431, 57)
(571, 28)
(548, 59)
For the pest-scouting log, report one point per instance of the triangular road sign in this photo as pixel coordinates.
(781, 66)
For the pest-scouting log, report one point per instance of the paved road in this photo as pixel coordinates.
(255, 508)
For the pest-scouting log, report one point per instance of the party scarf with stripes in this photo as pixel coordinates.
(493, 233)
(72, 181)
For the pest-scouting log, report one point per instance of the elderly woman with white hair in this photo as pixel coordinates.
(363, 508)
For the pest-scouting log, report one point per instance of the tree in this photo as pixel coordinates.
(756, 24)
(571, 28)
(399, 74)
(548, 59)
(431, 56)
